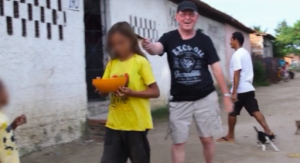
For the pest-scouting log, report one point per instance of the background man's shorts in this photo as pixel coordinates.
(205, 112)
(246, 100)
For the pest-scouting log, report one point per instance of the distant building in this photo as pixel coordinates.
(262, 44)
(292, 59)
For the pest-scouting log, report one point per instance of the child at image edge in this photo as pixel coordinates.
(8, 149)
(129, 116)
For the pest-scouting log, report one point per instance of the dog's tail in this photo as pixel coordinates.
(255, 129)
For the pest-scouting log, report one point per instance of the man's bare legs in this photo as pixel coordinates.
(208, 149)
(231, 126)
(262, 121)
(232, 121)
(178, 151)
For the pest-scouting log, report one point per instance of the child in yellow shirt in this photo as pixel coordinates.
(129, 116)
(8, 149)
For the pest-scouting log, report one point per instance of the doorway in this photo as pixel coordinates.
(94, 48)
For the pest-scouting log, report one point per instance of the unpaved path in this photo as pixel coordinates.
(280, 103)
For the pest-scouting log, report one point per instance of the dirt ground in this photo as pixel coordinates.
(280, 103)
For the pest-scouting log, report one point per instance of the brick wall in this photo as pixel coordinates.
(257, 44)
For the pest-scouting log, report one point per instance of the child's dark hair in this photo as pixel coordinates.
(125, 29)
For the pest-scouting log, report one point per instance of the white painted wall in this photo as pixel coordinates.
(45, 78)
(216, 31)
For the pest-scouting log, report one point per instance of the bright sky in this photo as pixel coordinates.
(266, 13)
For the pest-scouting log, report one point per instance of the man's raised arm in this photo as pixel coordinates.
(152, 48)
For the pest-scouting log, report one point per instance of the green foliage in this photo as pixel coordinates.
(279, 50)
(160, 113)
(258, 29)
(287, 39)
(260, 78)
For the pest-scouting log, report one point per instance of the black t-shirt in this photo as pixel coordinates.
(188, 61)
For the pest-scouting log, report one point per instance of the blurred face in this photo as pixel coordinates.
(121, 45)
(3, 98)
(233, 43)
(187, 19)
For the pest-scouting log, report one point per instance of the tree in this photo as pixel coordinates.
(287, 39)
(259, 30)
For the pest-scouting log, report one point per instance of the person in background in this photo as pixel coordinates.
(129, 117)
(243, 91)
(190, 53)
(281, 62)
(8, 149)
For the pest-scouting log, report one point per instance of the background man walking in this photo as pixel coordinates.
(193, 95)
(243, 92)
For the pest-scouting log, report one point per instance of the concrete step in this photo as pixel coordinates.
(95, 128)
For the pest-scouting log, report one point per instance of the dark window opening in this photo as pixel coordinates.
(48, 4)
(54, 17)
(59, 5)
(94, 48)
(135, 21)
(1, 8)
(36, 2)
(42, 14)
(61, 34)
(9, 25)
(49, 31)
(30, 12)
(22, 1)
(37, 29)
(65, 17)
(145, 20)
(24, 27)
(130, 20)
(16, 9)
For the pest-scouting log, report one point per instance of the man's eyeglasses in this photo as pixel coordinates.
(184, 15)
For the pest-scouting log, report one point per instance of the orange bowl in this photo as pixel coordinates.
(109, 85)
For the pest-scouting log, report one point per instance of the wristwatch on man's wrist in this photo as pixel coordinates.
(227, 95)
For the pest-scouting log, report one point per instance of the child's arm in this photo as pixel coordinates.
(151, 92)
(147, 75)
(20, 120)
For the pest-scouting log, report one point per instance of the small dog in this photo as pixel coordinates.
(298, 128)
(263, 140)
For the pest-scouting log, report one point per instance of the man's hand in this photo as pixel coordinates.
(217, 71)
(152, 48)
(228, 106)
(234, 97)
(146, 44)
(20, 120)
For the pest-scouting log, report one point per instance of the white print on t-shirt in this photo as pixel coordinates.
(187, 48)
(187, 64)
(241, 60)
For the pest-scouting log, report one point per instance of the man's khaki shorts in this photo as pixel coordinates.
(205, 113)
